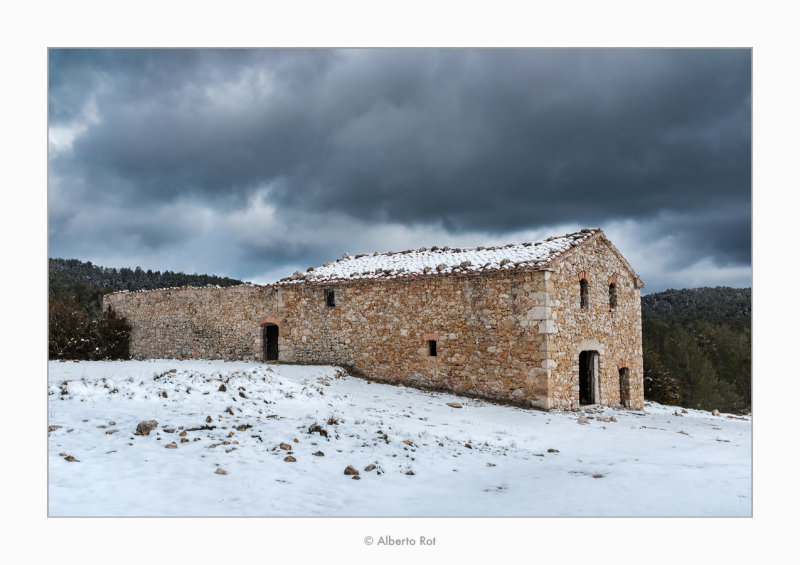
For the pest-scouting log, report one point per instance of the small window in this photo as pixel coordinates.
(432, 348)
(612, 295)
(330, 300)
(584, 293)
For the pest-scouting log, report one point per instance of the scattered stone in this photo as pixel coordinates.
(285, 446)
(597, 476)
(112, 423)
(52, 428)
(109, 432)
(583, 420)
(316, 428)
(145, 427)
(183, 433)
(488, 465)
(222, 388)
(356, 478)
(242, 394)
(468, 445)
(209, 419)
(318, 454)
(171, 445)
(684, 411)
(612, 419)
(370, 467)
(164, 394)
(350, 470)
(715, 412)
(70, 458)
(682, 432)
(221, 471)
(168, 430)
(408, 442)
(410, 472)
(551, 450)
(184, 440)
(62, 454)
(229, 410)
(296, 440)
(230, 434)
(454, 405)
(289, 459)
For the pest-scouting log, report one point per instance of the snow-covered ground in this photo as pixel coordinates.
(478, 460)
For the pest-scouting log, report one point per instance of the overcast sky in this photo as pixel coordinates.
(255, 163)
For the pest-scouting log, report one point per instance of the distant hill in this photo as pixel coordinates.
(66, 273)
(715, 303)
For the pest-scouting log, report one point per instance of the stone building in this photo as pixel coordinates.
(550, 324)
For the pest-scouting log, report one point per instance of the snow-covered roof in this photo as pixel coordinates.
(442, 260)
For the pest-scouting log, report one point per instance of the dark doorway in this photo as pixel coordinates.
(270, 342)
(587, 377)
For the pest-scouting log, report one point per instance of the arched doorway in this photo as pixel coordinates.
(270, 341)
(587, 377)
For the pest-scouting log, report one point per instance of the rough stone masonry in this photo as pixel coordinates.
(550, 324)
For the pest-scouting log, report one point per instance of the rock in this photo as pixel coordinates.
(171, 445)
(112, 423)
(296, 440)
(597, 476)
(684, 411)
(222, 388)
(551, 450)
(285, 446)
(583, 420)
(715, 412)
(350, 470)
(612, 419)
(221, 471)
(454, 405)
(229, 410)
(410, 472)
(318, 454)
(62, 454)
(164, 394)
(145, 427)
(184, 440)
(356, 478)
(408, 442)
(209, 419)
(318, 429)
(289, 459)
(52, 428)
(370, 467)
(70, 458)
(242, 394)
(468, 445)
(183, 433)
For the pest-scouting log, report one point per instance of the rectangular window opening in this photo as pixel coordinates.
(330, 300)
(432, 348)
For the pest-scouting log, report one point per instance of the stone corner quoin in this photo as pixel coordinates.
(556, 331)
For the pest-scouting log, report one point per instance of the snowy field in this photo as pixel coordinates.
(429, 459)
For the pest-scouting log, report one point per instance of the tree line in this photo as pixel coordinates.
(696, 345)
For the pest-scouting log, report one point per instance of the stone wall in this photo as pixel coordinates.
(486, 328)
(615, 333)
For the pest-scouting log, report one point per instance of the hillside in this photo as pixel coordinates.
(65, 272)
(705, 302)
(697, 348)
(238, 438)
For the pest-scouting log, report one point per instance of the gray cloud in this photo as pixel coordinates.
(445, 142)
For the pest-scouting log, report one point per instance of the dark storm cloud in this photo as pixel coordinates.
(488, 141)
